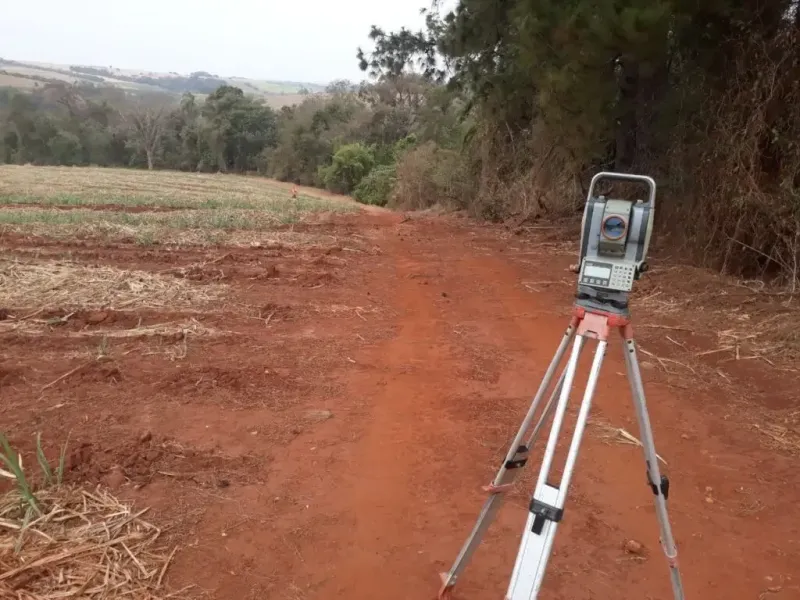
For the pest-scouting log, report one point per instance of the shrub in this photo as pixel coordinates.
(377, 186)
(428, 175)
(350, 164)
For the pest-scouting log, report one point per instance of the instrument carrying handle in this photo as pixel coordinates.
(648, 181)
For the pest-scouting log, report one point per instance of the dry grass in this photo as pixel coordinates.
(174, 330)
(743, 322)
(782, 432)
(618, 435)
(84, 545)
(43, 286)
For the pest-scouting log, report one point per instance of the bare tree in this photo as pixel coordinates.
(147, 119)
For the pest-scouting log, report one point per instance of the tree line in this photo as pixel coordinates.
(505, 109)
(704, 96)
(348, 140)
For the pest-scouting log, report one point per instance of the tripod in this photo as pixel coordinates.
(547, 504)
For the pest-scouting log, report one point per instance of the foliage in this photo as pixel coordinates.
(75, 125)
(377, 186)
(237, 129)
(10, 459)
(308, 135)
(701, 95)
(430, 175)
(350, 164)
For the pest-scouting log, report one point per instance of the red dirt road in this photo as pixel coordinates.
(336, 449)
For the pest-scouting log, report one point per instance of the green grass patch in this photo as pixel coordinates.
(267, 216)
(300, 204)
(11, 460)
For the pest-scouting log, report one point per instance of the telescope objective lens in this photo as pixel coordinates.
(614, 228)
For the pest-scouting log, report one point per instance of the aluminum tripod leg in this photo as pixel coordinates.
(548, 501)
(659, 485)
(515, 459)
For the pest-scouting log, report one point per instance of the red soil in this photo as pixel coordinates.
(333, 443)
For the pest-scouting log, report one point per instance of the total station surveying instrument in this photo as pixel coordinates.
(615, 236)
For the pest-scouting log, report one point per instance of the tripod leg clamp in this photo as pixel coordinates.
(544, 512)
(662, 488)
(508, 472)
(519, 459)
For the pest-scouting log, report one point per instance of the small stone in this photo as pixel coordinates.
(116, 478)
(318, 416)
(444, 294)
(709, 500)
(684, 436)
(145, 437)
(223, 483)
(709, 489)
(634, 547)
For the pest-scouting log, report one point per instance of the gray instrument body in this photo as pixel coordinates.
(615, 237)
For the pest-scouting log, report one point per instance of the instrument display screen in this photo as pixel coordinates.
(597, 271)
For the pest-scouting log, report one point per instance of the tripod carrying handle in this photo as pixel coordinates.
(648, 181)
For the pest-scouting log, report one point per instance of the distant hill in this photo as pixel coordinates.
(27, 75)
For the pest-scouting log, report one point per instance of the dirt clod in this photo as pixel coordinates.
(116, 478)
(634, 547)
(145, 437)
(95, 318)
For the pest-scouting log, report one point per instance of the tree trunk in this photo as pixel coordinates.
(149, 152)
(628, 82)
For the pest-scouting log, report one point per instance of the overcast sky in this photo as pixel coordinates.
(298, 40)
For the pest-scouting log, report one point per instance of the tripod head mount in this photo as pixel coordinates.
(615, 237)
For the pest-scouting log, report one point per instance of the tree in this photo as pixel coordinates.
(350, 164)
(237, 128)
(147, 119)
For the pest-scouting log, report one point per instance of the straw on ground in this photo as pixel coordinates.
(83, 545)
(54, 285)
